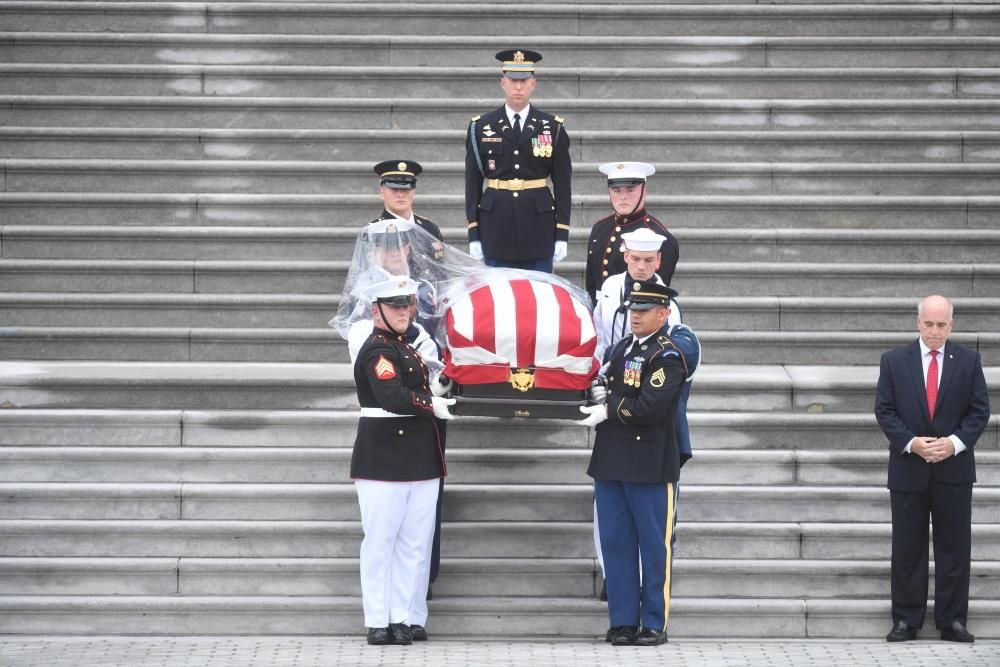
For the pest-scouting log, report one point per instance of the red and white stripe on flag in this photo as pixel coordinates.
(521, 323)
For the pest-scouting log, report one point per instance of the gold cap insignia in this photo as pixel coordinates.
(519, 56)
(619, 166)
(401, 166)
(402, 284)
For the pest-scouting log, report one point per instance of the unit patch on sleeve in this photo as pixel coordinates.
(384, 370)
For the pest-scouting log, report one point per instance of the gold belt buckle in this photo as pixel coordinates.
(515, 184)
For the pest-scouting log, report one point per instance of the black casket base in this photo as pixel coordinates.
(501, 399)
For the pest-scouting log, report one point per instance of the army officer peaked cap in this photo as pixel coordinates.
(399, 174)
(648, 294)
(518, 63)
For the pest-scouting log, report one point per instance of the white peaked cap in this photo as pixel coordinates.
(394, 286)
(627, 171)
(643, 240)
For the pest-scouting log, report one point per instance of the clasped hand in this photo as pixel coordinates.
(933, 450)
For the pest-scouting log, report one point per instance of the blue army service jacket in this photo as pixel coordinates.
(391, 378)
(525, 224)
(638, 442)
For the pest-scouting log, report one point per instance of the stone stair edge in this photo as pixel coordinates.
(336, 167)
(477, 105)
(172, 231)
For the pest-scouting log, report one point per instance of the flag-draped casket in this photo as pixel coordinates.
(520, 347)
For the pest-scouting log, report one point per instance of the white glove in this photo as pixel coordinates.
(595, 414)
(598, 391)
(562, 248)
(476, 250)
(441, 407)
(441, 385)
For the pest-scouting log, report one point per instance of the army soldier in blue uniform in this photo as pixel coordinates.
(605, 249)
(396, 467)
(515, 221)
(636, 465)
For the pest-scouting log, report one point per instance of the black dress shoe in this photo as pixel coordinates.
(901, 632)
(607, 635)
(400, 634)
(418, 633)
(603, 595)
(379, 636)
(956, 632)
(650, 637)
(623, 635)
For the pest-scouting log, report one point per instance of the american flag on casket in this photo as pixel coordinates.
(523, 343)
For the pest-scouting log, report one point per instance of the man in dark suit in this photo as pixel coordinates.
(932, 404)
(516, 221)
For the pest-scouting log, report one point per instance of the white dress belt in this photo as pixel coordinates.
(379, 412)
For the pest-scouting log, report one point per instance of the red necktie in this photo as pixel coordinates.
(932, 384)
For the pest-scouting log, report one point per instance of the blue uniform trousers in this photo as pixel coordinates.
(637, 518)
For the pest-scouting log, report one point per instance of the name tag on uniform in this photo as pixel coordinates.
(491, 138)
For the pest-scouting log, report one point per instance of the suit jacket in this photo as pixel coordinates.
(518, 225)
(963, 409)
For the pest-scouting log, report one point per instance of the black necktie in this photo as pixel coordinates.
(517, 127)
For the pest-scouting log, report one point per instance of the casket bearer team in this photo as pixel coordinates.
(611, 321)
(515, 221)
(396, 467)
(636, 465)
(605, 249)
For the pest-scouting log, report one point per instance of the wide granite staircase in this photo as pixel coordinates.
(182, 185)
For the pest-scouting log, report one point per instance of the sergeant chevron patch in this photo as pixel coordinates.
(658, 378)
(384, 369)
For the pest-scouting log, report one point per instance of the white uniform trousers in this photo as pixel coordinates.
(398, 522)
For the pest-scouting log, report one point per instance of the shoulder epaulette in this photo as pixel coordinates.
(477, 117)
(422, 218)
(559, 119)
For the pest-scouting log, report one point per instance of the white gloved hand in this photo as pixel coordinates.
(562, 248)
(441, 385)
(595, 415)
(598, 391)
(441, 407)
(476, 250)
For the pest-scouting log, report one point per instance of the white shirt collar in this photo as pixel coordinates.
(924, 350)
(523, 113)
(399, 217)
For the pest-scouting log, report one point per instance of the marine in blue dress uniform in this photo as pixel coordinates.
(636, 465)
(605, 249)
(514, 220)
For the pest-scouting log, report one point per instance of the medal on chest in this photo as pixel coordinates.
(632, 376)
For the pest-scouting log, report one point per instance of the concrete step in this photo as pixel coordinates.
(448, 82)
(700, 211)
(308, 177)
(758, 432)
(558, 578)
(156, 343)
(416, 50)
(801, 279)
(463, 502)
(283, 386)
(507, 539)
(296, 539)
(430, 113)
(468, 463)
(335, 243)
(486, 616)
(783, 318)
(462, 19)
(436, 145)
